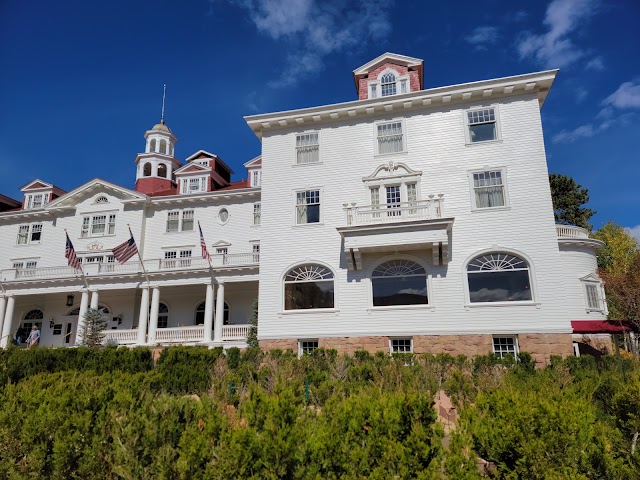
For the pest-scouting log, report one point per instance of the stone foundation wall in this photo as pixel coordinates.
(541, 346)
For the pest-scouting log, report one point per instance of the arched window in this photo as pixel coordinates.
(35, 314)
(163, 316)
(162, 170)
(199, 320)
(152, 145)
(399, 282)
(102, 199)
(388, 84)
(308, 286)
(163, 146)
(146, 170)
(498, 277)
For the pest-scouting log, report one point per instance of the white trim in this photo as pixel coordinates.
(467, 134)
(499, 249)
(516, 347)
(376, 124)
(295, 147)
(284, 311)
(391, 339)
(218, 213)
(294, 197)
(595, 281)
(301, 340)
(428, 279)
(390, 58)
(505, 189)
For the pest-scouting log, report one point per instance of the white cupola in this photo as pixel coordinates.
(156, 166)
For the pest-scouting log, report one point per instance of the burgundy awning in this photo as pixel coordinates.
(597, 326)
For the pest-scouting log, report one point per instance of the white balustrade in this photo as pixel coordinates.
(235, 332)
(569, 231)
(46, 272)
(427, 209)
(120, 337)
(129, 267)
(180, 334)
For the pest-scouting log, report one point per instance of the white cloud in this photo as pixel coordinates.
(480, 37)
(626, 96)
(555, 48)
(634, 231)
(595, 64)
(570, 136)
(311, 30)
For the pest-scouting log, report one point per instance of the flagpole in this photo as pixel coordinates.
(144, 271)
(86, 283)
(208, 254)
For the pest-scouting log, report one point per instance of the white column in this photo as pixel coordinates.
(153, 320)
(144, 316)
(3, 302)
(84, 304)
(217, 329)
(8, 320)
(208, 313)
(94, 300)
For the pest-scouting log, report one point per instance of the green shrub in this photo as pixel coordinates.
(184, 370)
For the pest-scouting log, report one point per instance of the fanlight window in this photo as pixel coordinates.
(308, 286)
(498, 277)
(102, 199)
(399, 282)
(34, 315)
(388, 84)
(199, 320)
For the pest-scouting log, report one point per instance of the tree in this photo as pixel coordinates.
(568, 198)
(252, 336)
(623, 291)
(92, 333)
(620, 247)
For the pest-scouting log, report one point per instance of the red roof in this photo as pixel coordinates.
(598, 326)
(234, 186)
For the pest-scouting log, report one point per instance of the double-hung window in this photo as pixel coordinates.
(307, 148)
(98, 225)
(256, 178)
(482, 125)
(180, 221)
(257, 213)
(308, 207)
(193, 185)
(594, 297)
(29, 234)
(389, 138)
(488, 189)
(36, 200)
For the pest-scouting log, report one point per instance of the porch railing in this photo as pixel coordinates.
(235, 332)
(120, 337)
(180, 334)
(427, 209)
(569, 231)
(47, 272)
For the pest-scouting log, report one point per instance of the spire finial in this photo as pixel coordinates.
(164, 93)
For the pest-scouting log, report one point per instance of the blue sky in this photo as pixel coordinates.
(81, 81)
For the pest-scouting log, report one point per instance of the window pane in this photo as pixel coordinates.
(308, 207)
(401, 345)
(504, 286)
(112, 225)
(304, 295)
(390, 137)
(84, 232)
(482, 132)
(399, 291)
(187, 220)
(307, 148)
(173, 221)
(23, 234)
(592, 297)
(503, 346)
(98, 225)
(308, 346)
(488, 189)
(256, 213)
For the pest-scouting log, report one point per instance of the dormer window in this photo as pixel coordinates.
(193, 185)
(36, 200)
(388, 84)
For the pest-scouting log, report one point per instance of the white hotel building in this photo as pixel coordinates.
(410, 219)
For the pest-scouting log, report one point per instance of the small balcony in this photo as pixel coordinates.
(428, 209)
(414, 225)
(155, 266)
(576, 236)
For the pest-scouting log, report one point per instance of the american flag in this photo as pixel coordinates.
(70, 255)
(203, 244)
(126, 250)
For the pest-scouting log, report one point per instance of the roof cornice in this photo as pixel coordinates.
(205, 196)
(385, 57)
(538, 82)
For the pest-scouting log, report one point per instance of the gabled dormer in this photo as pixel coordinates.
(205, 169)
(38, 193)
(389, 74)
(254, 172)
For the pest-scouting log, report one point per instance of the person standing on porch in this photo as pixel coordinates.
(34, 337)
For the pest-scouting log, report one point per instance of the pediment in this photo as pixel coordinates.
(592, 277)
(221, 243)
(201, 154)
(36, 184)
(392, 170)
(388, 57)
(254, 162)
(91, 190)
(193, 168)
